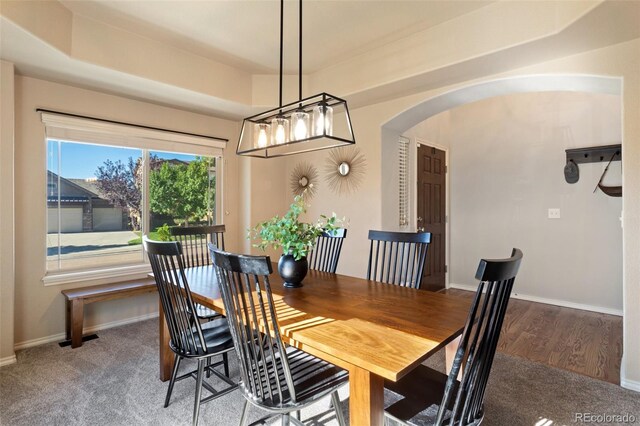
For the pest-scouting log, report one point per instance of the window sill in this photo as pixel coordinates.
(118, 272)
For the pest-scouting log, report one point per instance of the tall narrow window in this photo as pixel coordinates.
(403, 181)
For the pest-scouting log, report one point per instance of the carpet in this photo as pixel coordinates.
(113, 380)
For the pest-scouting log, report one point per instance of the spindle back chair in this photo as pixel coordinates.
(267, 366)
(326, 254)
(398, 257)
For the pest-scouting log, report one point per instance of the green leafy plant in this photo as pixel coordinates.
(163, 233)
(289, 233)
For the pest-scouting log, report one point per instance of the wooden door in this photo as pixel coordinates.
(431, 213)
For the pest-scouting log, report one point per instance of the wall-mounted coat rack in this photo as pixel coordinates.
(593, 154)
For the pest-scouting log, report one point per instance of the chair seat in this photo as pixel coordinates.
(313, 378)
(204, 313)
(217, 337)
(415, 399)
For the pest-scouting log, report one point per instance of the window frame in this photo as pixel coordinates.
(74, 129)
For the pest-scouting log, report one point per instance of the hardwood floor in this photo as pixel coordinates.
(583, 342)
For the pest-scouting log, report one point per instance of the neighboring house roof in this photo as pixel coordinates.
(89, 185)
(71, 190)
(157, 162)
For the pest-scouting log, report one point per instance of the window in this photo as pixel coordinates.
(101, 198)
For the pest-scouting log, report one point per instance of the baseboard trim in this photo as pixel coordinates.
(556, 302)
(61, 336)
(8, 360)
(630, 384)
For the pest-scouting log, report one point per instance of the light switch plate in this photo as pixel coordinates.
(554, 213)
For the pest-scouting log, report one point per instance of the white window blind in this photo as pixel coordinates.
(88, 130)
(403, 181)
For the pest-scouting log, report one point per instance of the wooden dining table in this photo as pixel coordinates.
(375, 331)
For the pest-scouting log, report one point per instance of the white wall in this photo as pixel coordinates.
(506, 169)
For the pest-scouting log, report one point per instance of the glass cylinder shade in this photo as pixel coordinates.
(299, 125)
(322, 120)
(262, 135)
(279, 131)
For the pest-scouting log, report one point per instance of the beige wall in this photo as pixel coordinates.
(7, 276)
(364, 207)
(503, 36)
(505, 167)
(39, 310)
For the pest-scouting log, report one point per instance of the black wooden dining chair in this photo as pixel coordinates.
(194, 240)
(397, 257)
(189, 339)
(277, 378)
(428, 397)
(326, 253)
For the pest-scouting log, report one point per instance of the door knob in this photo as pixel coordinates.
(420, 229)
(419, 219)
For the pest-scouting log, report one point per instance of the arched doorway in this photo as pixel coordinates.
(473, 222)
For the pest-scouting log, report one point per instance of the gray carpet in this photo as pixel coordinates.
(113, 381)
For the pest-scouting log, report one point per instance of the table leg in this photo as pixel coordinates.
(166, 355)
(366, 398)
(450, 354)
(77, 320)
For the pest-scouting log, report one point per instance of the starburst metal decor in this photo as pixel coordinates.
(304, 178)
(345, 168)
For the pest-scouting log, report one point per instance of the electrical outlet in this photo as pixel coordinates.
(554, 213)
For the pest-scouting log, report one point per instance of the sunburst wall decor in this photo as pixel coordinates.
(345, 168)
(304, 177)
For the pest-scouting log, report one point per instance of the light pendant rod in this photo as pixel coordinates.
(300, 55)
(281, 45)
(308, 124)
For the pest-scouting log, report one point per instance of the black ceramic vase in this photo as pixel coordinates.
(292, 271)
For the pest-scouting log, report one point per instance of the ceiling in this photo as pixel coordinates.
(245, 33)
(207, 56)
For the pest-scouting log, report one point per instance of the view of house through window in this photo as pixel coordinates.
(98, 207)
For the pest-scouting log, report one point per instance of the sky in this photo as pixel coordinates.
(80, 161)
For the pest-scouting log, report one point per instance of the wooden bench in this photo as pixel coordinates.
(76, 298)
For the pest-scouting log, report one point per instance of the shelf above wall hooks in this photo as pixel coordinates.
(594, 154)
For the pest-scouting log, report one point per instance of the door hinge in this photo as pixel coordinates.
(446, 169)
(446, 269)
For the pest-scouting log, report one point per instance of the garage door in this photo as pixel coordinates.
(70, 219)
(107, 219)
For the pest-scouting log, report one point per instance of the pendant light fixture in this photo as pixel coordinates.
(318, 122)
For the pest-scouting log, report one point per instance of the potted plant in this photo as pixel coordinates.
(294, 237)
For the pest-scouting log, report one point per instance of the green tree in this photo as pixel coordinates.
(120, 184)
(182, 191)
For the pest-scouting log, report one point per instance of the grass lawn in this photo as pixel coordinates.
(152, 236)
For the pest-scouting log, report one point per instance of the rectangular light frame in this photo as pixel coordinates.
(247, 147)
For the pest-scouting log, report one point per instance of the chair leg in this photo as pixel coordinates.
(225, 359)
(245, 410)
(336, 406)
(286, 419)
(196, 408)
(208, 367)
(176, 366)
